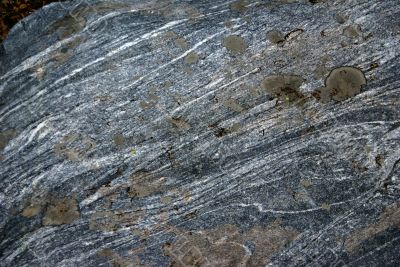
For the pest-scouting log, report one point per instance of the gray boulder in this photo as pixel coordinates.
(201, 133)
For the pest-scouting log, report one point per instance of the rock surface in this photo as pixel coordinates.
(201, 133)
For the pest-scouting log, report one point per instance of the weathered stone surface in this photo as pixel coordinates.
(201, 133)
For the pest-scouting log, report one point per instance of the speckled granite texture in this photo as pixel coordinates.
(201, 133)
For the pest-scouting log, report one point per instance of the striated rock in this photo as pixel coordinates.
(201, 133)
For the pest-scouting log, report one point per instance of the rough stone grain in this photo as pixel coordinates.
(201, 133)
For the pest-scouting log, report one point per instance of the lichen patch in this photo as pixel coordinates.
(222, 131)
(143, 184)
(226, 246)
(115, 259)
(352, 31)
(146, 105)
(31, 210)
(191, 58)
(284, 87)
(67, 26)
(5, 138)
(233, 105)
(60, 57)
(240, 5)
(389, 218)
(235, 44)
(109, 221)
(119, 140)
(61, 211)
(178, 40)
(178, 122)
(181, 43)
(320, 71)
(342, 83)
(33, 207)
(340, 18)
(74, 146)
(305, 183)
(275, 37)
(39, 72)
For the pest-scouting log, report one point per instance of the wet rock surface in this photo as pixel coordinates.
(201, 133)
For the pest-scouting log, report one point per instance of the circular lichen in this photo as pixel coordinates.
(235, 44)
(342, 83)
(345, 82)
(352, 31)
(340, 18)
(240, 5)
(275, 37)
(191, 58)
